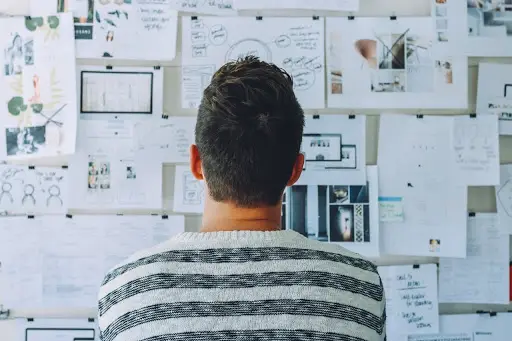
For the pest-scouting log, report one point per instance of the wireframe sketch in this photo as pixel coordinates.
(13, 55)
(489, 18)
(12, 181)
(329, 213)
(54, 198)
(28, 195)
(192, 190)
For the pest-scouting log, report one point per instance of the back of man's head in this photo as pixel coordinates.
(248, 133)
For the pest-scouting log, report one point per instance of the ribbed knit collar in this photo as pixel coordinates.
(285, 235)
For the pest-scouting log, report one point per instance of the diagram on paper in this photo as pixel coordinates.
(33, 190)
(291, 43)
(38, 84)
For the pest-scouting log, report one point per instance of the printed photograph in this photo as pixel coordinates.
(489, 18)
(391, 51)
(434, 245)
(328, 213)
(25, 141)
(336, 82)
(390, 81)
(130, 172)
(349, 214)
(441, 11)
(98, 175)
(13, 56)
(444, 73)
(441, 2)
(83, 11)
(28, 51)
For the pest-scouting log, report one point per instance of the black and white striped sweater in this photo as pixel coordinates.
(241, 286)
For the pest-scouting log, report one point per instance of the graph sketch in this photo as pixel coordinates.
(295, 44)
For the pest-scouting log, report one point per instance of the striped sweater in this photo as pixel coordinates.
(243, 286)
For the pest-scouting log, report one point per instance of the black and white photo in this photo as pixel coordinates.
(25, 141)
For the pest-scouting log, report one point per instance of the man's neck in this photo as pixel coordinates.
(219, 217)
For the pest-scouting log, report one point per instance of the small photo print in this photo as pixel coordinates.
(336, 82)
(441, 11)
(341, 223)
(390, 81)
(418, 50)
(434, 245)
(130, 172)
(13, 56)
(359, 195)
(441, 2)
(444, 71)
(442, 36)
(441, 24)
(391, 51)
(25, 141)
(98, 175)
(322, 147)
(83, 10)
(28, 50)
(338, 194)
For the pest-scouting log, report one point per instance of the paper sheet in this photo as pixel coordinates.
(37, 87)
(295, 44)
(120, 93)
(494, 93)
(411, 299)
(387, 63)
(213, 7)
(59, 262)
(20, 263)
(167, 139)
(127, 30)
(55, 329)
(475, 143)
(328, 5)
(421, 173)
(120, 181)
(33, 190)
(334, 147)
(471, 327)
(504, 197)
(189, 193)
(486, 23)
(483, 276)
(344, 214)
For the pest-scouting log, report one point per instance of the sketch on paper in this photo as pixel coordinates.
(189, 193)
(25, 190)
(40, 120)
(291, 43)
(489, 18)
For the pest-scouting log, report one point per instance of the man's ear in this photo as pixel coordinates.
(297, 170)
(196, 166)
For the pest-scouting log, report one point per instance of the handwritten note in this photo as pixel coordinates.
(475, 142)
(411, 299)
(154, 19)
(483, 276)
(216, 7)
(391, 209)
(326, 5)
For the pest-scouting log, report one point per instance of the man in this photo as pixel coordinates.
(241, 278)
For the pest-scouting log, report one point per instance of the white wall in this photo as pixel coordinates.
(481, 199)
